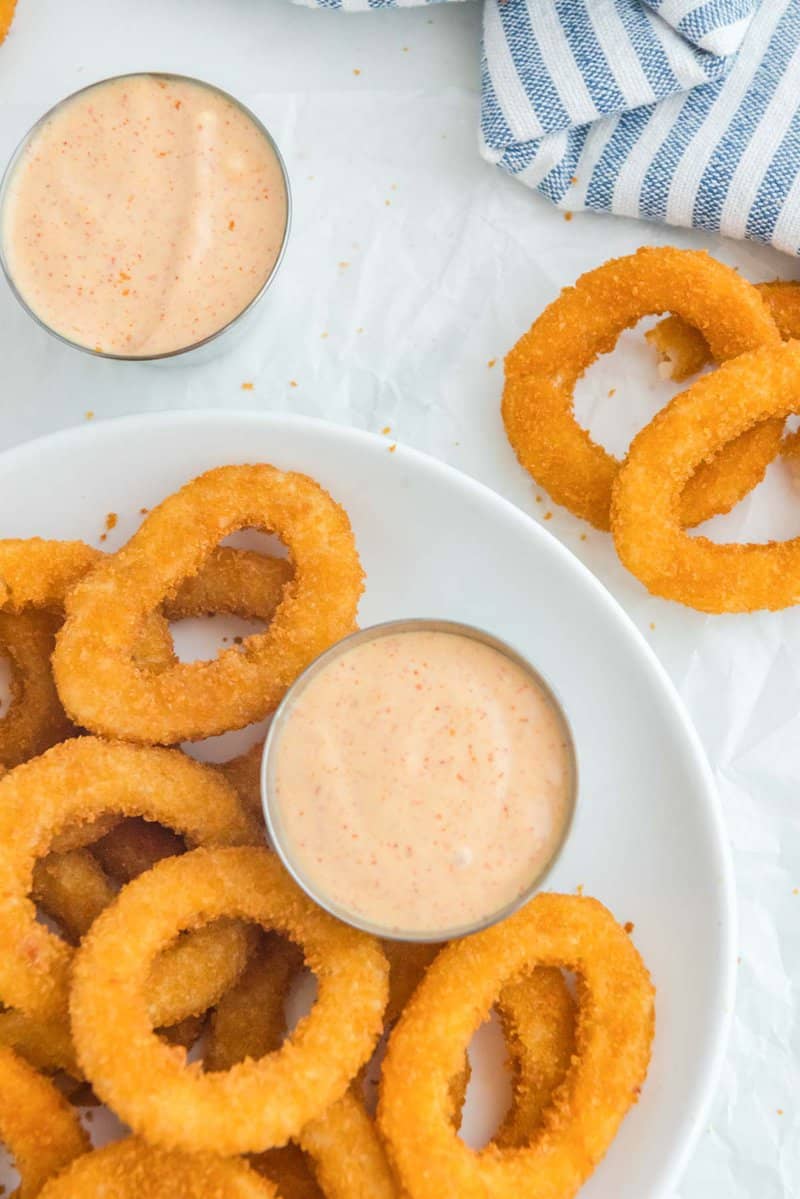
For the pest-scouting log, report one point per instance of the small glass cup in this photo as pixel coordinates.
(222, 338)
(283, 714)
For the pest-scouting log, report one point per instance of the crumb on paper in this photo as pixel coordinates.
(293, 383)
(88, 415)
(111, 523)
(343, 266)
(779, 1111)
(795, 890)
(323, 335)
(392, 448)
(538, 499)
(386, 429)
(491, 362)
(579, 889)
(583, 536)
(612, 391)
(652, 624)
(388, 203)
(405, 49)
(629, 926)
(573, 179)
(568, 216)
(143, 511)
(548, 515)
(238, 640)
(356, 70)
(231, 225)
(247, 386)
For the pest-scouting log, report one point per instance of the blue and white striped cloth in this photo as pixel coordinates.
(683, 111)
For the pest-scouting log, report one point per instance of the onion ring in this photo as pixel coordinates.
(537, 1015)
(35, 719)
(84, 778)
(37, 1125)
(130, 1169)
(135, 845)
(693, 570)
(584, 322)
(148, 1084)
(244, 775)
(614, 1029)
(72, 888)
(98, 679)
(249, 1020)
(687, 351)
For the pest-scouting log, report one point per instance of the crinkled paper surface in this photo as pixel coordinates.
(413, 267)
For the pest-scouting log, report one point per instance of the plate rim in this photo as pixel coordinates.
(676, 1159)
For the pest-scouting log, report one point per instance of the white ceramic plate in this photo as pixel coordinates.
(647, 839)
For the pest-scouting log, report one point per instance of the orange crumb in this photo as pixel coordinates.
(388, 203)
(89, 415)
(574, 179)
(538, 499)
(612, 392)
(583, 536)
(579, 889)
(231, 225)
(143, 511)
(293, 383)
(125, 278)
(629, 926)
(356, 71)
(386, 429)
(567, 216)
(323, 335)
(491, 362)
(548, 515)
(178, 103)
(111, 521)
(779, 1110)
(652, 624)
(343, 266)
(392, 448)
(248, 386)
(796, 891)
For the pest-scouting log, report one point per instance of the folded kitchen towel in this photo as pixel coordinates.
(683, 111)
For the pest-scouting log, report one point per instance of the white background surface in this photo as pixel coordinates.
(439, 281)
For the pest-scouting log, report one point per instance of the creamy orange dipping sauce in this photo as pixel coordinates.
(143, 215)
(421, 781)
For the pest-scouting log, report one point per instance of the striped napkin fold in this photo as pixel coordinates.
(683, 111)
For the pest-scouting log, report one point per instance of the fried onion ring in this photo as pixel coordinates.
(649, 540)
(685, 349)
(98, 679)
(81, 779)
(584, 322)
(34, 719)
(614, 1029)
(132, 1170)
(244, 775)
(148, 1084)
(37, 1125)
(537, 1015)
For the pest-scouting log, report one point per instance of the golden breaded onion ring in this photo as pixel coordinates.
(613, 1034)
(147, 1083)
(99, 681)
(130, 1169)
(695, 571)
(81, 779)
(37, 1125)
(34, 719)
(586, 321)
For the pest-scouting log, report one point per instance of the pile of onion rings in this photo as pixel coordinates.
(691, 462)
(160, 983)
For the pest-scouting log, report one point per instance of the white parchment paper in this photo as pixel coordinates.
(412, 269)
